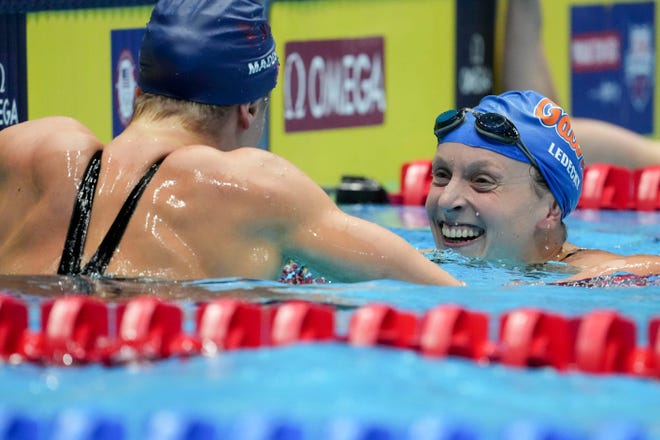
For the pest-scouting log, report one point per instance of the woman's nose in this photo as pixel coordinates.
(450, 197)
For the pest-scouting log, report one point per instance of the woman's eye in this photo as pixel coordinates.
(484, 183)
(441, 177)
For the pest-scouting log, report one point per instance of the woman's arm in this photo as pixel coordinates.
(603, 142)
(355, 250)
(315, 229)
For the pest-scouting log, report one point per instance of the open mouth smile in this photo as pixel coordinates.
(459, 234)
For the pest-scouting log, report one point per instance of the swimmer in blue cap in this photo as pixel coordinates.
(506, 173)
(180, 193)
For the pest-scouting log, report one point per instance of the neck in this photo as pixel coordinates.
(550, 246)
(167, 135)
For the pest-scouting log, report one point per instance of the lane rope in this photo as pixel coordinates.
(78, 330)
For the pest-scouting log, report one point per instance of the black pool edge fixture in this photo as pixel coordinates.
(360, 189)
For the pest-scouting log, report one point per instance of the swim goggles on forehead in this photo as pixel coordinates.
(492, 126)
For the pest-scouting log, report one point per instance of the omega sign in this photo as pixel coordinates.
(334, 83)
(8, 107)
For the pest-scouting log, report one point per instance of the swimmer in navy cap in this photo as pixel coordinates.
(208, 51)
(506, 173)
(182, 193)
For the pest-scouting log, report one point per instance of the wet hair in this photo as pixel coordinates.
(194, 116)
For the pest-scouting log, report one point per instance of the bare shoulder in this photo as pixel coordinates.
(584, 258)
(44, 135)
(595, 263)
(245, 157)
(53, 127)
(249, 180)
(244, 166)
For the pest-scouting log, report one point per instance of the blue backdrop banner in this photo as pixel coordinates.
(613, 63)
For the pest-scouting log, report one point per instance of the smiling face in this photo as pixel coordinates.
(483, 204)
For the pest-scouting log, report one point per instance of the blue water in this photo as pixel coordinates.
(316, 386)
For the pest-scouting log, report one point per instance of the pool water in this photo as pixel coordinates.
(330, 389)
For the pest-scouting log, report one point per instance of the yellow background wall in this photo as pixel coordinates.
(419, 78)
(419, 83)
(69, 63)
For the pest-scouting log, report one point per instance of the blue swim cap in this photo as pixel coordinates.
(218, 52)
(546, 130)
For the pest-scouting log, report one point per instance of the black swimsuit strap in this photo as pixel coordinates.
(573, 252)
(99, 262)
(82, 212)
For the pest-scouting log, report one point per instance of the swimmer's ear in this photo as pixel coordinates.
(246, 114)
(552, 217)
(253, 107)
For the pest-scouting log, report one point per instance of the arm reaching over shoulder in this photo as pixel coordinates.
(311, 226)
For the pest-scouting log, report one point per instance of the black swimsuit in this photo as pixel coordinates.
(82, 212)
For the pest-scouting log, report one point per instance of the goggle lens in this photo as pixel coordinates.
(489, 125)
(447, 121)
(497, 127)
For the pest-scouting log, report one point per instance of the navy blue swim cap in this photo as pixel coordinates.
(546, 130)
(218, 52)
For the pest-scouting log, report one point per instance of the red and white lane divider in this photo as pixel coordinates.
(76, 330)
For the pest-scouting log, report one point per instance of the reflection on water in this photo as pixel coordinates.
(109, 288)
(103, 288)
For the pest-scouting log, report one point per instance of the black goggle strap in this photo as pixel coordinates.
(499, 128)
(522, 147)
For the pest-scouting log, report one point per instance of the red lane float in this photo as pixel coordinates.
(653, 362)
(533, 338)
(297, 321)
(416, 180)
(647, 188)
(227, 324)
(76, 330)
(605, 343)
(13, 325)
(606, 186)
(450, 330)
(148, 328)
(380, 324)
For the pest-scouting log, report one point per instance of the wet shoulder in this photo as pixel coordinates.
(585, 258)
(243, 164)
(52, 131)
(47, 150)
(249, 174)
